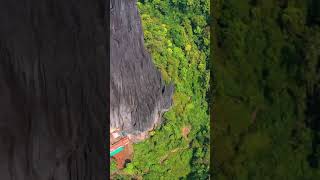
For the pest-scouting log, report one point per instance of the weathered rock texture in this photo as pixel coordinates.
(53, 89)
(138, 94)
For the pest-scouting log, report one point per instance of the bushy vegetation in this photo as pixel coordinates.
(266, 60)
(176, 34)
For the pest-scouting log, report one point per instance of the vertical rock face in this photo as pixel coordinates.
(138, 94)
(53, 85)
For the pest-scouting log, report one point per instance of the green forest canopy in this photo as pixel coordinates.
(266, 60)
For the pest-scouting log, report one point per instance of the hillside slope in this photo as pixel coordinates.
(176, 34)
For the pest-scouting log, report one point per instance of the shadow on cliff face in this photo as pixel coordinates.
(53, 84)
(138, 94)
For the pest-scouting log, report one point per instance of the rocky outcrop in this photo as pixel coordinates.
(138, 94)
(53, 84)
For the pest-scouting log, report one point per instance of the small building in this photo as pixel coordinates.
(118, 141)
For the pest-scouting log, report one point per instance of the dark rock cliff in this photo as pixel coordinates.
(53, 89)
(138, 94)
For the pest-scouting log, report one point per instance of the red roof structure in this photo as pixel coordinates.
(122, 142)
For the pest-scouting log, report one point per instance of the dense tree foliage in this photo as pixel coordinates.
(176, 34)
(266, 61)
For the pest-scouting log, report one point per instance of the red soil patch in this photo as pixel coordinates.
(185, 131)
(124, 156)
